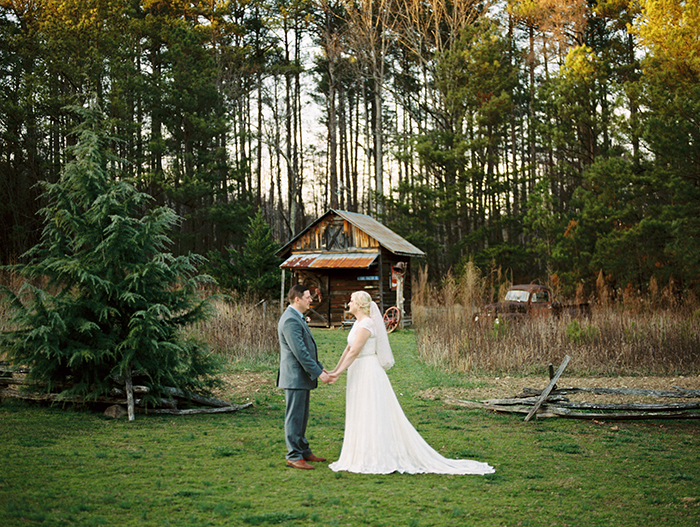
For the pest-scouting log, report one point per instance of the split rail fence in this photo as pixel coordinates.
(123, 394)
(553, 402)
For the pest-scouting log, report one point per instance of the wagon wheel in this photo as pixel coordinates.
(392, 317)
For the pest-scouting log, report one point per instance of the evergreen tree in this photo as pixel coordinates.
(114, 300)
(255, 269)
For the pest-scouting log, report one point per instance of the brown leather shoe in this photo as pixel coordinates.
(314, 458)
(299, 463)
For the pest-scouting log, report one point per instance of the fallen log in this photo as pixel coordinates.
(522, 400)
(199, 399)
(677, 393)
(650, 407)
(552, 402)
(136, 389)
(12, 381)
(57, 398)
(475, 404)
(546, 411)
(192, 411)
(168, 405)
(565, 412)
(5, 368)
(690, 393)
(123, 396)
(185, 396)
(511, 409)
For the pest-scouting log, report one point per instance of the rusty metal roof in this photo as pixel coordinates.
(330, 260)
(385, 236)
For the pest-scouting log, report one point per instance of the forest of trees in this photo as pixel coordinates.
(546, 137)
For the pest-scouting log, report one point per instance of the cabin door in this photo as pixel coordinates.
(320, 311)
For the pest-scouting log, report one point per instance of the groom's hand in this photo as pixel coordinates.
(325, 377)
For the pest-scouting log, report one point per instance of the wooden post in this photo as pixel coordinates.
(129, 393)
(551, 375)
(549, 388)
(282, 294)
(381, 283)
(399, 298)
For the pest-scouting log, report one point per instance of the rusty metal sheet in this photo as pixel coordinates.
(330, 261)
(299, 261)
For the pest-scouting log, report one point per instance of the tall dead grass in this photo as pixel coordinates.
(241, 329)
(13, 282)
(634, 335)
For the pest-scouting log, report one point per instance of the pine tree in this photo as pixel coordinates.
(254, 269)
(114, 299)
(259, 264)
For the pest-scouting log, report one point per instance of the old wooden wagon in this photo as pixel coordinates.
(342, 252)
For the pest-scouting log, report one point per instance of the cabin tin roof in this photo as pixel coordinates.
(330, 260)
(385, 236)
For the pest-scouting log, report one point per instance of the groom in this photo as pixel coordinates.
(298, 374)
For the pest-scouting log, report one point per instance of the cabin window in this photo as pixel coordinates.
(334, 237)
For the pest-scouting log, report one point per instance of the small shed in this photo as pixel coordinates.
(342, 252)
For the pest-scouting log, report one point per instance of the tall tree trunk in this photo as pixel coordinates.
(379, 148)
(342, 144)
(332, 136)
(259, 146)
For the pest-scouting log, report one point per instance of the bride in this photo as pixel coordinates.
(379, 439)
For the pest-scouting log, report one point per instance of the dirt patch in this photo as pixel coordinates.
(245, 386)
(248, 385)
(503, 387)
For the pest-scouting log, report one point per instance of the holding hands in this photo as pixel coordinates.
(329, 377)
(351, 351)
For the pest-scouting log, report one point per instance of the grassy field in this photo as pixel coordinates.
(68, 467)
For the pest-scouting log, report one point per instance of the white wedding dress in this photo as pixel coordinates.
(379, 439)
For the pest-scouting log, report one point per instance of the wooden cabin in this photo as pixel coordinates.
(343, 252)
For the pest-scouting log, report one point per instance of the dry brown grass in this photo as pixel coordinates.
(241, 329)
(13, 282)
(639, 335)
(632, 336)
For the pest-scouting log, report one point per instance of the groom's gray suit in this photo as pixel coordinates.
(298, 374)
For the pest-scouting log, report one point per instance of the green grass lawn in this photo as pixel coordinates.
(64, 467)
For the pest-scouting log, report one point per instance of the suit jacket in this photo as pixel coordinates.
(299, 367)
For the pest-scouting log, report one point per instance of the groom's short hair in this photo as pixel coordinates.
(297, 291)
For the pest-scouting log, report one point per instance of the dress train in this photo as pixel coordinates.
(379, 438)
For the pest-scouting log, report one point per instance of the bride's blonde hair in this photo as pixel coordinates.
(362, 300)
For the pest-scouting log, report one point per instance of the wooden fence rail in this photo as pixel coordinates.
(122, 394)
(552, 402)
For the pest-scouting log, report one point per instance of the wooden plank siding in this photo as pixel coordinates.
(314, 239)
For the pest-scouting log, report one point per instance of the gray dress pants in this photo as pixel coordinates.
(296, 418)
